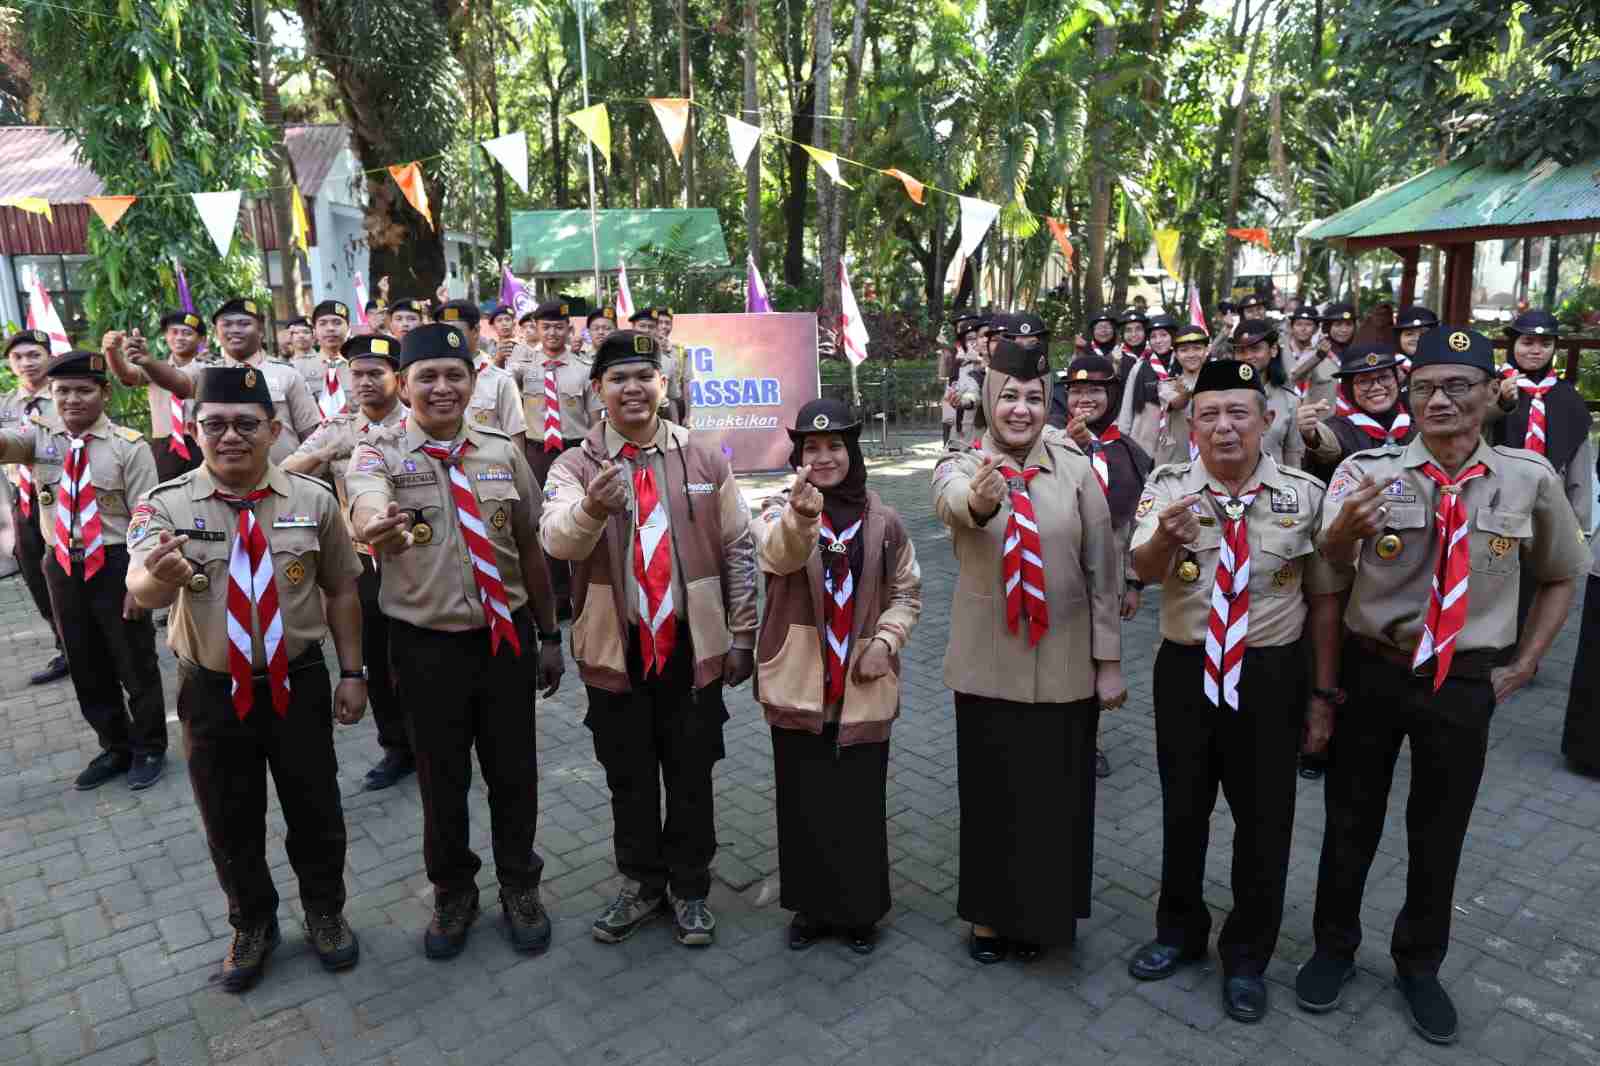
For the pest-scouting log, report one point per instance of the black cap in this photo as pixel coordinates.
(1133, 314)
(643, 314)
(1227, 307)
(28, 336)
(375, 305)
(1166, 322)
(1024, 324)
(298, 320)
(1454, 346)
(1090, 368)
(607, 313)
(1013, 360)
(1252, 299)
(1534, 324)
(502, 309)
(625, 346)
(550, 311)
(1361, 358)
(968, 325)
(824, 415)
(78, 364)
(409, 303)
(182, 318)
(461, 312)
(372, 346)
(336, 308)
(1221, 375)
(233, 384)
(239, 305)
(1102, 315)
(1191, 335)
(1415, 317)
(1339, 312)
(1255, 329)
(1303, 313)
(434, 340)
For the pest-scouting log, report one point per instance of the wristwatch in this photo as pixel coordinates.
(550, 638)
(353, 675)
(1335, 696)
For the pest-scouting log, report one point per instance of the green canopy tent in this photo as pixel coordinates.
(557, 244)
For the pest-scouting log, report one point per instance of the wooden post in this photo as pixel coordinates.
(1458, 262)
(1408, 275)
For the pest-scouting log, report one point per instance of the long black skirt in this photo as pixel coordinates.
(1580, 738)
(1027, 789)
(833, 833)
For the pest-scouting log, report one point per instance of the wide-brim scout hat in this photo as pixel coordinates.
(1013, 360)
(1534, 324)
(1254, 330)
(1415, 317)
(1102, 316)
(824, 415)
(1191, 334)
(1366, 358)
(1133, 314)
(1252, 300)
(1024, 324)
(1338, 312)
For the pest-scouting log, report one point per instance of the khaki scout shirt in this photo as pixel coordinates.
(160, 414)
(431, 584)
(1282, 442)
(579, 405)
(675, 369)
(1318, 368)
(310, 552)
(17, 409)
(1519, 523)
(1285, 567)
(312, 368)
(120, 466)
(494, 401)
(342, 433)
(291, 401)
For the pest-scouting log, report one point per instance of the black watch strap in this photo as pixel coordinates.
(1335, 696)
(353, 675)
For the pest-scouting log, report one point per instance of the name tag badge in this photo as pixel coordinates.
(411, 481)
(702, 487)
(295, 521)
(202, 534)
(495, 473)
(1396, 492)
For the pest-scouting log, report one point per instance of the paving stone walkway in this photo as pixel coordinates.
(112, 925)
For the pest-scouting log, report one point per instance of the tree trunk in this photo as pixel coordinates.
(822, 134)
(1235, 163)
(752, 115)
(1105, 45)
(1119, 297)
(798, 196)
(686, 90)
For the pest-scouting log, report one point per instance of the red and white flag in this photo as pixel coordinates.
(852, 330)
(625, 306)
(42, 315)
(1197, 315)
(361, 303)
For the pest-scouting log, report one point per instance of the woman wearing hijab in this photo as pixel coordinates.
(1156, 413)
(1034, 656)
(843, 593)
(1256, 342)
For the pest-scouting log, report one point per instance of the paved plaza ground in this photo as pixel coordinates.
(112, 925)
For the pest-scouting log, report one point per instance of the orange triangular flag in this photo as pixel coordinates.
(409, 178)
(111, 208)
(1253, 234)
(673, 114)
(913, 186)
(1059, 231)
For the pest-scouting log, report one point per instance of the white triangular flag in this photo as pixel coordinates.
(976, 218)
(743, 137)
(852, 330)
(220, 212)
(511, 152)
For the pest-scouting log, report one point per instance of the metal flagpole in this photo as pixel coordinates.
(588, 151)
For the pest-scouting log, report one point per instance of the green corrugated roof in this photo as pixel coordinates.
(1470, 194)
(557, 242)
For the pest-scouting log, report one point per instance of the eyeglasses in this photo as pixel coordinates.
(217, 428)
(1454, 388)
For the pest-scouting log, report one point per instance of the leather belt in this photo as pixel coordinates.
(1464, 665)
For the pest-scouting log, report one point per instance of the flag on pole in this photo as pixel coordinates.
(300, 225)
(1059, 231)
(184, 299)
(361, 302)
(625, 307)
(1167, 249)
(510, 287)
(1197, 315)
(852, 330)
(42, 315)
(755, 291)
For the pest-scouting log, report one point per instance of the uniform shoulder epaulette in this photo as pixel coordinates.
(586, 358)
(491, 431)
(1301, 475)
(133, 436)
(1170, 470)
(1523, 454)
(309, 480)
(1382, 451)
(177, 482)
(1060, 439)
(384, 434)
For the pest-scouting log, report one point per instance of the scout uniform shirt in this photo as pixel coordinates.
(579, 405)
(17, 409)
(1282, 441)
(431, 584)
(120, 464)
(494, 401)
(1519, 523)
(1285, 567)
(310, 551)
(675, 371)
(343, 433)
(313, 371)
(291, 400)
(1321, 385)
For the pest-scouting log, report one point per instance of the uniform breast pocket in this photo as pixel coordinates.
(496, 502)
(294, 564)
(1497, 537)
(1404, 534)
(111, 502)
(209, 559)
(1281, 568)
(481, 411)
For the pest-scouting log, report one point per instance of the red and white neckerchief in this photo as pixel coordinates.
(1159, 368)
(652, 566)
(332, 401)
(1097, 454)
(1447, 609)
(485, 572)
(1022, 565)
(1534, 438)
(1194, 449)
(840, 586)
(76, 510)
(175, 440)
(1229, 623)
(552, 407)
(25, 490)
(1342, 406)
(1374, 429)
(252, 593)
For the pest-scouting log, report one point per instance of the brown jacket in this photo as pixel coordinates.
(713, 563)
(789, 654)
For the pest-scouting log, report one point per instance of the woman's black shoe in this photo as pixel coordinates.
(1022, 951)
(987, 949)
(803, 933)
(864, 941)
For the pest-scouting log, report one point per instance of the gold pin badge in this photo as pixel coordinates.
(1499, 546)
(564, 312)
(499, 519)
(1372, 359)
(199, 583)
(344, 312)
(1388, 547)
(1246, 372)
(1146, 505)
(1188, 571)
(453, 339)
(1082, 375)
(1234, 509)
(642, 345)
(820, 422)
(46, 497)
(1283, 577)
(295, 572)
(192, 321)
(422, 533)
(450, 314)
(1459, 341)
(1286, 523)
(249, 379)
(250, 307)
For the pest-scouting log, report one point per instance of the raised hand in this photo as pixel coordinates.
(166, 563)
(1078, 430)
(1362, 515)
(389, 532)
(1179, 522)
(607, 493)
(988, 487)
(1508, 391)
(805, 497)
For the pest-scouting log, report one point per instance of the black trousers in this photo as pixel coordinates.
(541, 461)
(459, 696)
(107, 654)
(228, 764)
(1580, 734)
(1449, 735)
(169, 464)
(1251, 753)
(663, 733)
(29, 554)
(388, 713)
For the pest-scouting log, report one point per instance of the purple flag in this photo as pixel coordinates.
(183, 288)
(755, 291)
(514, 294)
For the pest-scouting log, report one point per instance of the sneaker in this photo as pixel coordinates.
(1319, 986)
(102, 768)
(525, 914)
(388, 770)
(333, 940)
(627, 913)
(246, 959)
(693, 924)
(54, 670)
(452, 918)
(145, 771)
(1432, 1013)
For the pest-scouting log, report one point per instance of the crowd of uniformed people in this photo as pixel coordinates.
(1357, 543)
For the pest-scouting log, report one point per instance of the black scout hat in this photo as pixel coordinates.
(1024, 324)
(181, 318)
(625, 346)
(502, 309)
(1133, 314)
(1534, 324)
(435, 340)
(1102, 315)
(824, 415)
(601, 312)
(298, 320)
(1220, 375)
(1415, 317)
(1252, 330)
(1191, 335)
(28, 336)
(335, 308)
(233, 384)
(409, 303)
(1454, 346)
(1339, 312)
(1362, 358)
(1227, 307)
(642, 315)
(78, 364)
(1252, 299)
(1166, 322)
(239, 305)
(372, 346)
(463, 312)
(550, 311)
(1013, 360)
(374, 305)
(1303, 313)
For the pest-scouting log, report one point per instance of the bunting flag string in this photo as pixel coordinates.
(34, 205)
(111, 208)
(415, 190)
(595, 122)
(976, 218)
(913, 186)
(1058, 230)
(743, 137)
(511, 152)
(220, 213)
(1253, 235)
(828, 162)
(673, 114)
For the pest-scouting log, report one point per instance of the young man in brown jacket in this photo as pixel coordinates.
(664, 601)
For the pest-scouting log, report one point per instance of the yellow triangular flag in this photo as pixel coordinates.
(111, 208)
(1167, 249)
(301, 235)
(913, 186)
(595, 122)
(829, 164)
(673, 114)
(34, 205)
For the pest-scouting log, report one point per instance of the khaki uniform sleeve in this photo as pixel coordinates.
(1559, 551)
(17, 447)
(784, 537)
(368, 476)
(304, 415)
(1294, 445)
(952, 482)
(1147, 515)
(138, 472)
(902, 599)
(508, 408)
(1346, 479)
(150, 519)
(738, 560)
(566, 530)
(1102, 571)
(321, 437)
(336, 561)
(1323, 576)
(1326, 447)
(1580, 485)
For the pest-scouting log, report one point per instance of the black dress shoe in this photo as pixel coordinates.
(391, 768)
(145, 771)
(54, 670)
(1102, 765)
(1157, 961)
(102, 768)
(1312, 767)
(803, 932)
(987, 949)
(1245, 998)
(1319, 986)
(864, 941)
(1432, 1013)
(1023, 951)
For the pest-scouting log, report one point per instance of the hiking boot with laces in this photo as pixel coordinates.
(627, 912)
(452, 918)
(693, 923)
(333, 940)
(530, 925)
(246, 959)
